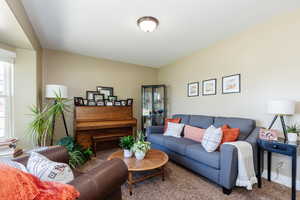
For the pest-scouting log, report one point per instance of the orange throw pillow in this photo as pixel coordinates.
(175, 120)
(230, 134)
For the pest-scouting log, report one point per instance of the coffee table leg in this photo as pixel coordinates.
(130, 182)
(163, 173)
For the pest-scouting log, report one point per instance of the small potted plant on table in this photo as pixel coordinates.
(140, 147)
(292, 132)
(126, 144)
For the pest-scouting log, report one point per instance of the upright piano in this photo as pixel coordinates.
(102, 126)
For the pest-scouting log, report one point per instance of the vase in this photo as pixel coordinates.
(127, 153)
(292, 137)
(139, 155)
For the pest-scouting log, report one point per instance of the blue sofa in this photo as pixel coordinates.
(221, 167)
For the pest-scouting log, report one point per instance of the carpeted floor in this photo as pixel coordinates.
(182, 184)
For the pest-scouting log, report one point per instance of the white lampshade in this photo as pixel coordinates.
(53, 90)
(281, 107)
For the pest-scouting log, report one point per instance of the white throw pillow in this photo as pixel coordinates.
(174, 129)
(212, 138)
(48, 170)
(14, 164)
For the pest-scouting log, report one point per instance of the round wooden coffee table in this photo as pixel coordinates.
(154, 159)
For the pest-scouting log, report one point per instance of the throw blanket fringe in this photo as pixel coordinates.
(246, 174)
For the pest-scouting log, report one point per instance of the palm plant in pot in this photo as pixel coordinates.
(126, 144)
(292, 132)
(140, 147)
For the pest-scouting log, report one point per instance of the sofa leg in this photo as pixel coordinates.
(227, 191)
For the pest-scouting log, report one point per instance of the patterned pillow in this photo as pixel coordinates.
(174, 129)
(212, 138)
(14, 164)
(48, 170)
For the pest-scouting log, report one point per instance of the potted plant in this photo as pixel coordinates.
(140, 149)
(292, 132)
(126, 144)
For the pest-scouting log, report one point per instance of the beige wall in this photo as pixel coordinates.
(267, 56)
(81, 73)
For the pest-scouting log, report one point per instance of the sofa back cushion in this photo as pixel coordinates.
(245, 125)
(184, 118)
(201, 121)
(193, 133)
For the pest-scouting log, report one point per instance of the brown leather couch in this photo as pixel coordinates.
(100, 183)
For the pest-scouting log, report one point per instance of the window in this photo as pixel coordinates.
(5, 99)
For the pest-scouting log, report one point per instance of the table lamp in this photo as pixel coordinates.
(52, 91)
(281, 108)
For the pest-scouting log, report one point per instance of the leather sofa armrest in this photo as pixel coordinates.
(154, 130)
(101, 181)
(252, 139)
(229, 165)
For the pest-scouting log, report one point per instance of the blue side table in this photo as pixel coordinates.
(280, 146)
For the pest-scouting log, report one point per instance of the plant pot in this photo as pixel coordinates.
(139, 155)
(292, 137)
(127, 153)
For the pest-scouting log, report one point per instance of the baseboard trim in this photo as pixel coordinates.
(281, 179)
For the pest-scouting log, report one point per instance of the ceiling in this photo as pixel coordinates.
(11, 32)
(107, 28)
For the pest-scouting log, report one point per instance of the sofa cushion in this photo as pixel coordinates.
(184, 118)
(245, 125)
(201, 121)
(178, 145)
(157, 138)
(167, 120)
(193, 133)
(198, 153)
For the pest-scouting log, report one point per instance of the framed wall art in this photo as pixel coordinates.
(193, 89)
(98, 97)
(112, 98)
(209, 87)
(106, 91)
(231, 84)
(90, 94)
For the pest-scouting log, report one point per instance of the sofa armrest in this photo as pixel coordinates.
(101, 181)
(252, 139)
(154, 130)
(229, 165)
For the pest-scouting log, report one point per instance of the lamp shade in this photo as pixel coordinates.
(53, 90)
(281, 107)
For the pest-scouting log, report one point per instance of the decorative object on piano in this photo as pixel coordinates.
(268, 134)
(117, 103)
(85, 102)
(106, 91)
(91, 103)
(140, 147)
(129, 102)
(292, 132)
(78, 101)
(100, 103)
(126, 143)
(90, 94)
(98, 97)
(108, 103)
(78, 154)
(8, 146)
(112, 98)
(123, 102)
(41, 128)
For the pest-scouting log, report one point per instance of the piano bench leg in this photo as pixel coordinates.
(94, 143)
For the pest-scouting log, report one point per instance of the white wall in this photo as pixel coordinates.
(267, 56)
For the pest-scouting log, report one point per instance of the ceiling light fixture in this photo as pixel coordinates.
(147, 23)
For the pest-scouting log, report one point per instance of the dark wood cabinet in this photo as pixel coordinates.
(154, 109)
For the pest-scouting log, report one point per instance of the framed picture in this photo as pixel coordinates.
(100, 103)
(123, 102)
(90, 94)
(129, 102)
(193, 89)
(209, 87)
(106, 91)
(117, 103)
(91, 103)
(78, 101)
(231, 84)
(98, 97)
(112, 98)
(109, 103)
(85, 102)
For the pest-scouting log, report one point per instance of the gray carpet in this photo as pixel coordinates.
(182, 184)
